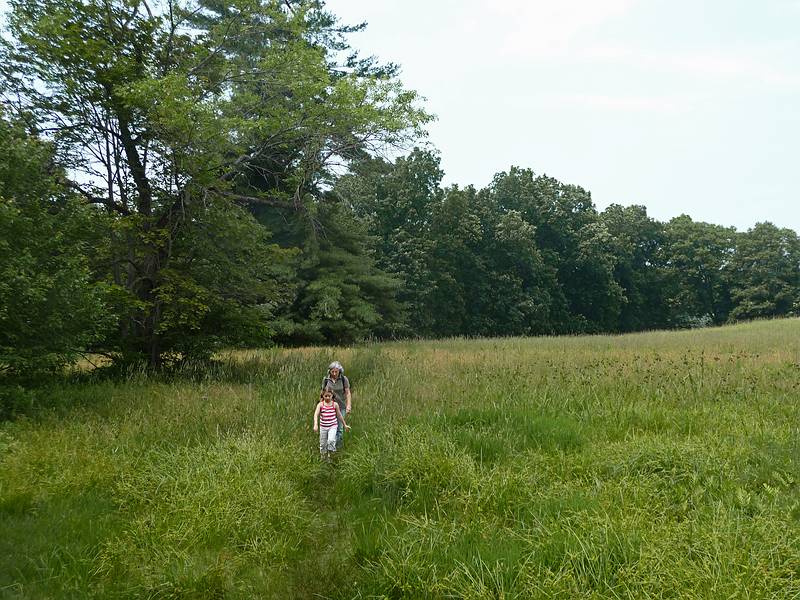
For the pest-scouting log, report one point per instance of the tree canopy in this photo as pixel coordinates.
(193, 175)
(175, 122)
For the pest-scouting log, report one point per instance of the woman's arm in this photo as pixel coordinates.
(348, 398)
(316, 417)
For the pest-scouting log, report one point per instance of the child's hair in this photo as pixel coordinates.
(326, 390)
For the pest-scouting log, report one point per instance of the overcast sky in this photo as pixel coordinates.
(685, 106)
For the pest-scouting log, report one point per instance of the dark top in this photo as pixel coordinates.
(338, 387)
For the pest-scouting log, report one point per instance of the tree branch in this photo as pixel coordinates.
(92, 199)
(262, 200)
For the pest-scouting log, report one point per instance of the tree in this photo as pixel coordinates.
(765, 271)
(164, 117)
(488, 275)
(637, 241)
(572, 243)
(50, 311)
(225, 284)
(520, 300)
(696, 257)
(340, 295)
(455, 265)
(395, 201)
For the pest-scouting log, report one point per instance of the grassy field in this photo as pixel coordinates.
(658, 465)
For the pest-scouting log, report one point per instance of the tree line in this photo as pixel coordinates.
(180, 178)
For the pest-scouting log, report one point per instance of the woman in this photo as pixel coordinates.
(340, 386)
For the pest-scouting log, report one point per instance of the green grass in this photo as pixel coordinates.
(656, 465)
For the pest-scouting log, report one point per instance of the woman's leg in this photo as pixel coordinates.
(339, 430)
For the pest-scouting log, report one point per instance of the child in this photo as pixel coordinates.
(325, 419)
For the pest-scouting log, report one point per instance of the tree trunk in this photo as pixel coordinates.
(146, 279)
(149, 341)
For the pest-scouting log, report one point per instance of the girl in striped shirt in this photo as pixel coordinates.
(325, 420)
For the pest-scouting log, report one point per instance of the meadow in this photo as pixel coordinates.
(654, 465)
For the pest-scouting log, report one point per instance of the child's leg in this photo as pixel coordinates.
(323, 440)
(332, 438)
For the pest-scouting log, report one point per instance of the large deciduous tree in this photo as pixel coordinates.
(166, 114)
(765, 273)
(573, 244)
(696, 256)
(637, 241)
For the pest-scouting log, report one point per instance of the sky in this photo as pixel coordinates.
(683, 106)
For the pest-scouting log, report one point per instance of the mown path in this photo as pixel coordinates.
(323, 566)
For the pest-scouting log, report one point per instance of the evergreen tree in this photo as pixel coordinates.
(341, 295)
(396, 201)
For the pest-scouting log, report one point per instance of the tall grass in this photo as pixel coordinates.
(651, 465)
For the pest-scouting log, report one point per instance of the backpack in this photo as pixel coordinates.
(345, 381)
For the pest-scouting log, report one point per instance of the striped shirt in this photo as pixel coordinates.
(327, 415)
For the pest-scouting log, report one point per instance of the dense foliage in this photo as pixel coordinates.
(177, 119)
(198, 174)
(50, 309)
(529, 254)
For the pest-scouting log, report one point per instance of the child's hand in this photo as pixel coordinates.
(347, 427)
(316, 428)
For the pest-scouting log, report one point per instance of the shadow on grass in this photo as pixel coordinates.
(491, 434)
(47, 542)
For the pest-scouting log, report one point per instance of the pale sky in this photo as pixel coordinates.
(684, 106)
